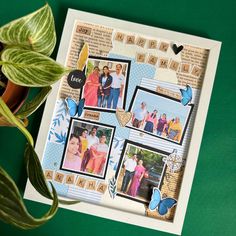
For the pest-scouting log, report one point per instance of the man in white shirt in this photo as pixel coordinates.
(129, 167)
(139, 115)
(117, 87)
(92, 138)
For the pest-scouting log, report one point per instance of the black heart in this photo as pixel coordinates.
(177, 49)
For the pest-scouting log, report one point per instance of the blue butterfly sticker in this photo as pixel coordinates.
(159, 204)
(73, 108)
(187, 95)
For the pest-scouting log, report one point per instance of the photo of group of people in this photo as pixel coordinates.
(158, 115)
(106, 83)
(141, 169)
(87, 148)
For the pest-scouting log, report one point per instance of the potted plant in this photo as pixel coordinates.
(13, 95)
(25, 48)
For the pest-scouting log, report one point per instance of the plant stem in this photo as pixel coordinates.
(10, 117)
(25, 132)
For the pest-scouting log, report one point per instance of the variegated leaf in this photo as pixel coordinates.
(35, 172)
(29, 68)
(36, 175)
(30, 106)
(35, 31)
(33, 166)
(12, 207)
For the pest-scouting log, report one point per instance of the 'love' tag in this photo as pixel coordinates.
(76, 79)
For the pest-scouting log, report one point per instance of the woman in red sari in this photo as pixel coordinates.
(91, 88)
(138, 175)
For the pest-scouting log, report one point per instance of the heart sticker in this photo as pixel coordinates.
(177, 49)
(123, 117)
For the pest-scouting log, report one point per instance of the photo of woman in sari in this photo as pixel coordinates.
(88, 147)
(98, 155)
(91, 88)
(140, 170)
(105, 88)
(138, 175)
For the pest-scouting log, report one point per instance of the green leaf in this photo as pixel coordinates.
(35, 31)
(36, 175)
(35, 172)
(33, 166)
(29, 68)
(12, 208)
(30, 106)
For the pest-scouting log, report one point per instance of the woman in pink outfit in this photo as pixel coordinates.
(73, 157)
(91, 88)
(138, 175)
(151, 122)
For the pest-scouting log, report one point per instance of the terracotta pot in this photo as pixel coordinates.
(14, 96)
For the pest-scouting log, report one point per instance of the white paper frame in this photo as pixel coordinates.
(122, 216)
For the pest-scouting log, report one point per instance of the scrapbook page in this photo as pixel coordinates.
(121, 132)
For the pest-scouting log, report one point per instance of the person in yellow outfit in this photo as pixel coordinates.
(83, 142)
(175, 130)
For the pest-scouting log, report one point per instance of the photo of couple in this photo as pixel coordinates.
(158, 115)
(141, 169)
(106, 83)
(88, 147)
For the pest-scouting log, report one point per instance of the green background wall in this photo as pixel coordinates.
(212, 207)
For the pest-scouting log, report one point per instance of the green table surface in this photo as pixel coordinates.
(212, 205)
